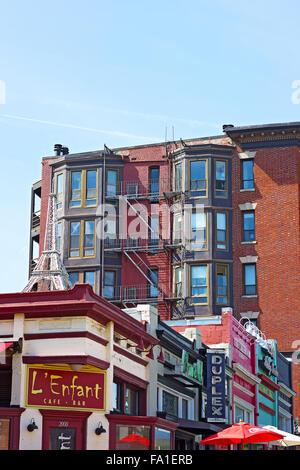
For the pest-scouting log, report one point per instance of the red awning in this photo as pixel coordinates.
(4, 346)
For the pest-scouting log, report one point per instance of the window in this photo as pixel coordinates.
(83, 188)
(58, 237)
(109, 284)
(248, 226)
(199, 284)
(75, 229)
(89, 238)
(221, 178)
(221, 235)
(117, 396)
(154, 230)
(89, 278)
(82, 239)
(123, 441)
(178, 177)
(249, 277)
(162, 439)
(170, 403)
(111, 182)
(247, 174)
(59, 190)
(75, 189)
(222, 284)
(74, 278)
(177, 237)
(131, 405)
(178, 282)
(91, 188)
(198, 231)
(154, 181)
(185, 408)
(198, 178)
(153, 276)
(242, 414)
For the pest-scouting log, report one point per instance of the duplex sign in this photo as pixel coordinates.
(63, 389)
(216, 405)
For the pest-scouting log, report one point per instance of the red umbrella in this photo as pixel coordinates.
(135, 438)
(242, 433)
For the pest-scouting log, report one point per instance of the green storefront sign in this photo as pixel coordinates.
(194, 370)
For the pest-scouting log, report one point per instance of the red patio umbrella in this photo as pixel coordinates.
(242, 433)
(135, 438)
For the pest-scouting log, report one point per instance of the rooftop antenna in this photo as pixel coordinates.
(49, 273)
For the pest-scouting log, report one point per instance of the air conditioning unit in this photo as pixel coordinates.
(132, 189)
(130, 293)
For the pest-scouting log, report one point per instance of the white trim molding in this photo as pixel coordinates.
(246, 155)
(248, 206)
(249, 259)
(245, 374)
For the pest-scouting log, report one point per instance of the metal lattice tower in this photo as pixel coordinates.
(49, 273)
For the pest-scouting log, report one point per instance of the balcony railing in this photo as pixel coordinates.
(35, 220)
(138, 189)
(132, 293)
(134, 244)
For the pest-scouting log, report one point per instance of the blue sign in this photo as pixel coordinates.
(216, 404)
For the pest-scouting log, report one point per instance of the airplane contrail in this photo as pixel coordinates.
(72, 126)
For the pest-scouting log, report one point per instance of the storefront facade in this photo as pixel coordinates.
(79, 375)
(268, 387)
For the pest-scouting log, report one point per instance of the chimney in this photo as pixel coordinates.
(58, 149)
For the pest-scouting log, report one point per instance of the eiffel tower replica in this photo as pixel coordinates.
(49, 273)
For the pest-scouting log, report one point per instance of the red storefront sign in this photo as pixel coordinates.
(63, 389)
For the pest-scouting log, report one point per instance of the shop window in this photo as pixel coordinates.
(247, 174)
(132, 437)
(198, 178)
(185, 408)
(162, 439)
(131, 405)
(5, 387)
(221, 178)
(170, 403)
(199, 284)
(117, 397)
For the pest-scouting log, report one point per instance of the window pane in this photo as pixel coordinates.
(154, 181)
(198, 178)
(198, 235)
(250, 279)
(74, 277)
(170, 403)
(178, 177)
(132, 437)
(221, 185)
(185, 405)
(89, 278)
(162, 439)
(247, 174)
(222, 284)
(249, 226)
(131, 405)
(76, 189)
(117, 396)
(199, 283)
(75, 239)
(153, 275)
(111, 182)
(109, 284)
(91, 185)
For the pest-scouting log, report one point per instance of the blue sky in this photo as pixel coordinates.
(85, 73)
